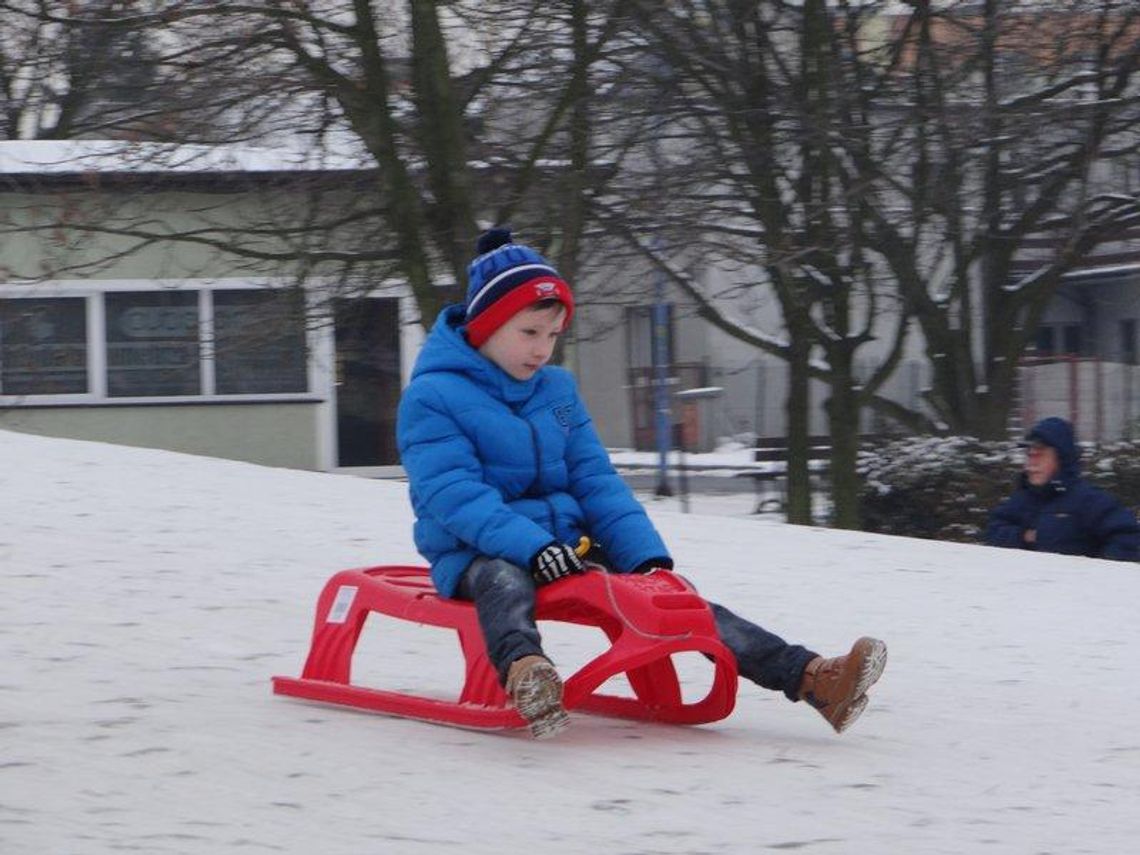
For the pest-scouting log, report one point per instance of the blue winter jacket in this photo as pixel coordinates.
(1071, 516)
(501, 467)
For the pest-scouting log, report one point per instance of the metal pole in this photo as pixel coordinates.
(690, 398)
(1098, 366)
(761, 402)
(661, 404)
(683, 473)
(1074, 394)
(1128, 374)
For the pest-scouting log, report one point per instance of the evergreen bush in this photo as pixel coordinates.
(943, 487)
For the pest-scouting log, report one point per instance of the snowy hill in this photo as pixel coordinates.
(148, 597)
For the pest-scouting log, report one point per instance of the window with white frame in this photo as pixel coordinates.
(43, 346)
(259, 342)
(154, 344)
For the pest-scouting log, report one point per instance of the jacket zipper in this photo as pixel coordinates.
(534, 487)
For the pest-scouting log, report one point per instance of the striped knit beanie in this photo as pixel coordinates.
(504, 279)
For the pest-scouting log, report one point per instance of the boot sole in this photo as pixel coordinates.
(852, 712)
(874, 661)
(538, 699)
(549, 725)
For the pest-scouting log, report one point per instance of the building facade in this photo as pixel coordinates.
(114, 336)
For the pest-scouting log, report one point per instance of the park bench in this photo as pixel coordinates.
(771, 482)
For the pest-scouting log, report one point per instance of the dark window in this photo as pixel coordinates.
(152, 344)
(259, 342)
(43, 346)
(1046, 343)
(1128, 341)
(1072, 339)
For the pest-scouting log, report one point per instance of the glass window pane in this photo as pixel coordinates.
(1072, 340)
(152, 344)
(43, 346)
(259, 341)
(367, 333)
(1128, 341)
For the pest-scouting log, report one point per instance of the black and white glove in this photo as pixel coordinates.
(554, 561)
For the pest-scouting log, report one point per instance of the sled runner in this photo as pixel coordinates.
(646, 618)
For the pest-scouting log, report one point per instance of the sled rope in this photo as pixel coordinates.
(659, 636)
(581, 549)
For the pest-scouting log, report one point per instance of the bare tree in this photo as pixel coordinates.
(459, 105)
(933, 166)
(851, 156)
(769, 98)
(1015, 117)
(466, 113)
(107, 69)
(58, 80)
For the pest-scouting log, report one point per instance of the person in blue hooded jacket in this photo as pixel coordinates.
(1055, 510)
(506, 473)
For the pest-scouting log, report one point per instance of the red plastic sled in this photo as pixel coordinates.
(646, 618)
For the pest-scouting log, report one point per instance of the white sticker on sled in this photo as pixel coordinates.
(343, 602)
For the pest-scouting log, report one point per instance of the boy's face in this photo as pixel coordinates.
(1041, 463)
(526, 342)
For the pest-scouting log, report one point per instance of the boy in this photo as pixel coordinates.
(1054, 509)
(505, 471)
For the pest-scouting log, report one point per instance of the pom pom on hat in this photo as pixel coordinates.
(492, 239)
(504, 279)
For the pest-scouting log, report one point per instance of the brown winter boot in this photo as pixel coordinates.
(536, 690)
(838, 687)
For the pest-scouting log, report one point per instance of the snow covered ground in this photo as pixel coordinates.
(148, 597)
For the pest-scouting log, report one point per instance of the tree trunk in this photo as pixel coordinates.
(843, 419)
(799, 433)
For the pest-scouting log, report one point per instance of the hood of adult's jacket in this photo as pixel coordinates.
(1058, 433)
(446, 349)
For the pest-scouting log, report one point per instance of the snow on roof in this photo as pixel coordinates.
(1112, 270)
(60, 157)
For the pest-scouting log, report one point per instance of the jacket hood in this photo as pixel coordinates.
(1058, 433)
(446, 349)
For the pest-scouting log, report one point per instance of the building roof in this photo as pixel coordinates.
(72, 157)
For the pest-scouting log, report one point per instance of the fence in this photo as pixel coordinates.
(755, 398)
(1100, 398)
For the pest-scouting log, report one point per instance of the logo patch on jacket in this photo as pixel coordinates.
(562, 415)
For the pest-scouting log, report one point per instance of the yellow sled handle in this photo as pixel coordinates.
(584, 544)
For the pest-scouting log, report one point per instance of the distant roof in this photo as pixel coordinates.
(1104, 272)
(70, 157)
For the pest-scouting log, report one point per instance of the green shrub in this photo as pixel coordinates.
(944, 487)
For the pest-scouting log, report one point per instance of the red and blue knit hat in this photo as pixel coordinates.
(504, 279)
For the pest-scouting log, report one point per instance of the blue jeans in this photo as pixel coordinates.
(503, 594)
